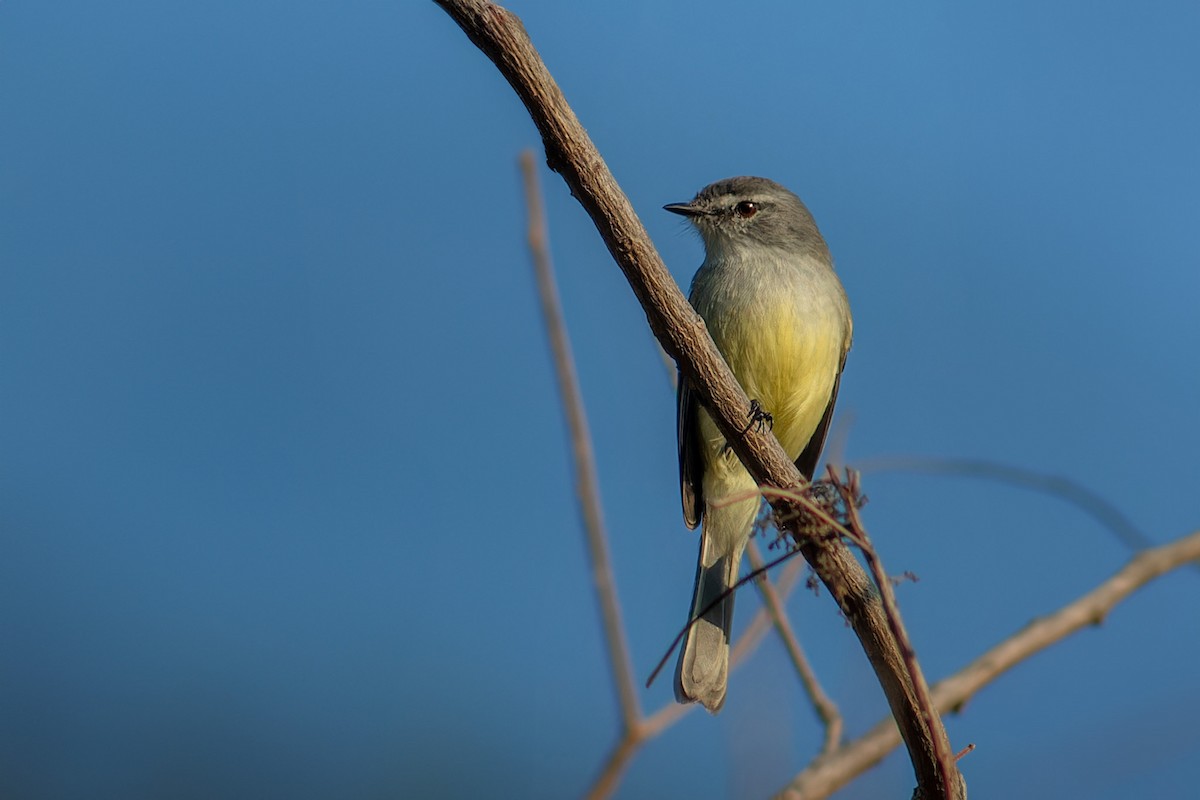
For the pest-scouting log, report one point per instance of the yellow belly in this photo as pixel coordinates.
(787, 363)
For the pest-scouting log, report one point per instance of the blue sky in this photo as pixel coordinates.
(285, 500)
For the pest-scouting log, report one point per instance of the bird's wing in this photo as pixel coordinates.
(690, 465)
(807, 462)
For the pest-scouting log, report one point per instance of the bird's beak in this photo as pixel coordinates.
(685, 209)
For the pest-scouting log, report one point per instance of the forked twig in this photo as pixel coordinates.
(501, 37)
(828, 773)
(666, 716)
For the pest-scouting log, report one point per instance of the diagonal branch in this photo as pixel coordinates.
(831, 772)
(502, 38)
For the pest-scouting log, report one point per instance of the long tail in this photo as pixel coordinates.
(703, 670)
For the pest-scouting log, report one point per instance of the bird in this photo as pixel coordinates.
(779, 315)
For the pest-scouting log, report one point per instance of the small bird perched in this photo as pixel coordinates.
(779, 315)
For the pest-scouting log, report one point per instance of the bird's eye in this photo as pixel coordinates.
(746, 209)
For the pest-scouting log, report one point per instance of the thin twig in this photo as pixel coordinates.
(587, 484)
(850, 492)
(827, 710)
(828, 773)
(1058, 486)
(752, 577)
(631, 741)
(614, 766)
(746, 644)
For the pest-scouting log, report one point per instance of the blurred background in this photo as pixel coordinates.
(285, 500)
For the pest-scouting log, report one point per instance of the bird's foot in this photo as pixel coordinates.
(760, 418)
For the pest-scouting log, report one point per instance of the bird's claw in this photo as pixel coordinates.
(760, 418)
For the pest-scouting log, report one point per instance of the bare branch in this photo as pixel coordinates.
(831, 772)
(614, 766)
(851, 494)
(748, 641)
(587, 484)
(500, 35)
(653, 725)
(826, 709)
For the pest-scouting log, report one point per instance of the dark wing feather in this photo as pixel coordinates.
(807, 462)
(690, 466)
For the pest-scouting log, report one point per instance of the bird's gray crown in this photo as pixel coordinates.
(749, 210)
